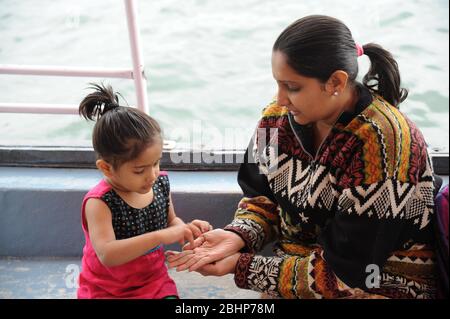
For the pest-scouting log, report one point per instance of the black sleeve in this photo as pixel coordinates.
(253, 182)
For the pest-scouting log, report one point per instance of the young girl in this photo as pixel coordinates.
(129, 215)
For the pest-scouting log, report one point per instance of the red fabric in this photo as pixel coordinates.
(144, 278)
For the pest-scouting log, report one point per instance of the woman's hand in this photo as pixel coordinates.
(217, 268)
(221, 267)
(208, 248)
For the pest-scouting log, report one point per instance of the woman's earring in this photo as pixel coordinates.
(335, 93)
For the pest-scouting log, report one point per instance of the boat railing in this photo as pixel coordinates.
(135, 73)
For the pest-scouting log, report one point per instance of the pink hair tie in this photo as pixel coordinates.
(359, 49)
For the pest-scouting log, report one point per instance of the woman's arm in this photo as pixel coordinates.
(255, 224)
(362, 246)
(256, 220)
(113, 252)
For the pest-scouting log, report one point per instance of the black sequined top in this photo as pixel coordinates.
(129, 222)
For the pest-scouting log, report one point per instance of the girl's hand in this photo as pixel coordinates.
(175, 233)
(198, 227)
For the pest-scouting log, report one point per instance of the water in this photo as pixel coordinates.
(207, 62)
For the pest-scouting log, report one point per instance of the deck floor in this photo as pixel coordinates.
(50, 278)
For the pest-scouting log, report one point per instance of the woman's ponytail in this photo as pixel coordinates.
(99, 102)
(383, 77)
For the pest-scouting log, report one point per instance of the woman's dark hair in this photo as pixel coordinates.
(121, 133)
(316, 46)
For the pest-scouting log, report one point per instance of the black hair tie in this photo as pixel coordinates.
(110, 106)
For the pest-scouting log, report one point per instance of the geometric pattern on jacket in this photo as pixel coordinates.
(365, 199)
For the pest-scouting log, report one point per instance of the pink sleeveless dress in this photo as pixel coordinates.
(146, 277)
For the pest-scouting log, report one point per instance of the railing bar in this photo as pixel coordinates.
(136, 55)
(65, 71)
(38, 108)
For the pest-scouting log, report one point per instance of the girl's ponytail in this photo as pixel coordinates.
(99, 102)
(121, 133)
(383, 77)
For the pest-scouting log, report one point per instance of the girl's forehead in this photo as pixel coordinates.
(154, 150)
(148, 155)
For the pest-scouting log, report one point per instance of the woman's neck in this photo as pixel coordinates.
(346, 103)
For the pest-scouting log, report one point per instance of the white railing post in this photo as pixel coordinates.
(138, 66)
(137, 74)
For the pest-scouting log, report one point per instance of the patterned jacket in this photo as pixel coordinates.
(355, 215)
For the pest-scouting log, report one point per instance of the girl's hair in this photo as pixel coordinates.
(121, 133)
(316, 46)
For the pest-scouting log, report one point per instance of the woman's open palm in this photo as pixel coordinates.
(210, 247)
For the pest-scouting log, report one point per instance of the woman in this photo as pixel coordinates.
(344, 186)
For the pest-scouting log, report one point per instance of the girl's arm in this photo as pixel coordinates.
(173, 220)
(113, 252)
